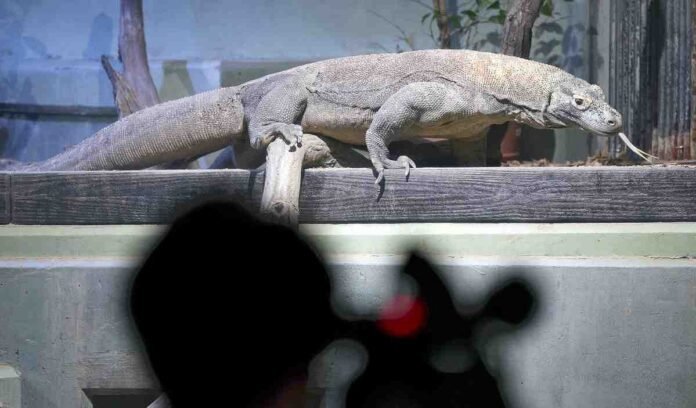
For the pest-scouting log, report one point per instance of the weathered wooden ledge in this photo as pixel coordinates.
(590, 194)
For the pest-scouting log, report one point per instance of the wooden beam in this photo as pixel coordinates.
(609, 194)
(124, 197)
(692, 28)
(5, 199)
(589, 194)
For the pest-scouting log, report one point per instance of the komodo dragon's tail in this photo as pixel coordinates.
(175, 130)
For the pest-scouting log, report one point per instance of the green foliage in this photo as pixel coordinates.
(547, 8)
(471, 14)
(475, 12)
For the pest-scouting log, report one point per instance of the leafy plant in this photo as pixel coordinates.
(471, 14)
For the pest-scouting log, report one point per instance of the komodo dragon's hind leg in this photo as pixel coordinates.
(277, 115)
(419, 104)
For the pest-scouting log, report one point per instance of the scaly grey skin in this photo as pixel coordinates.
(362, 100)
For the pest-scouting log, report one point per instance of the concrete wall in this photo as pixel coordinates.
(50, 49)
(10, 387)
(615, 327)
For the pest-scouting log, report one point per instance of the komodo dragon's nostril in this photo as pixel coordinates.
(615, 122)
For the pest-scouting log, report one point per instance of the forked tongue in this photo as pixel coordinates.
(645, 156)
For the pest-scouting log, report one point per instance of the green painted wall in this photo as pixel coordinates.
(616, 323)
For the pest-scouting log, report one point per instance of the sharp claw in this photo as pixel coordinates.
(408, 170)
(380, 176)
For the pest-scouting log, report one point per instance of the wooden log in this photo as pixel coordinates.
(538, 195)
(281, 192)
(125, 96)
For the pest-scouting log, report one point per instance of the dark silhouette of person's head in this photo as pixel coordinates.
(228, 306)
(231, 310)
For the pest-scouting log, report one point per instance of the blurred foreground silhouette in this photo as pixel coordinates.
(232, 309)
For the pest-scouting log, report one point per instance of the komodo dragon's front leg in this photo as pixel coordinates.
(416, 106)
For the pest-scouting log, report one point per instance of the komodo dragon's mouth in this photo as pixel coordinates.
(600, 133)
(640, 153)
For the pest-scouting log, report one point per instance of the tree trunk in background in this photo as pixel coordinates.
(133, 52)
(516, 41)
(517, 31)
(133, 88)
(692, 142)
(440, 11)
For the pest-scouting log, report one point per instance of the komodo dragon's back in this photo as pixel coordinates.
(366, 81)
(199, 124)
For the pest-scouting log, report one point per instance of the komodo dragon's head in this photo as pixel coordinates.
(577, 103)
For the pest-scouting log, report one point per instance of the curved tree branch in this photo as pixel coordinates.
(134, 88)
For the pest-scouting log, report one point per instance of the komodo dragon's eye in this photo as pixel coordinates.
(582, 102)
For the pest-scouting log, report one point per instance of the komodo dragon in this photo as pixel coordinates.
(361, 100)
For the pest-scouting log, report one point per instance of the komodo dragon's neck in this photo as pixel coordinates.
(534, 116)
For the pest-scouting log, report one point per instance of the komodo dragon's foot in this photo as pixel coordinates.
(402, 162)
(291, 134)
